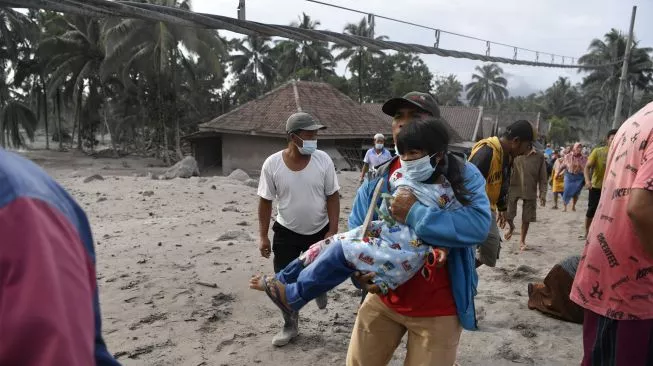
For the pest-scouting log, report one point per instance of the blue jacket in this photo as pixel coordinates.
(50, 273)
(460, 230)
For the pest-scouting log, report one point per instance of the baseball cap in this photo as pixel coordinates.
(302, 121)
(423, 101)
(522, 129)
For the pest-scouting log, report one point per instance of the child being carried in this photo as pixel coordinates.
(389, 249)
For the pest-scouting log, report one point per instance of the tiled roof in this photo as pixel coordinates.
(267, 114)
(461, 120)
(506, 118)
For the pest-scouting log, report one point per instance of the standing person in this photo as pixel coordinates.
(433, 306)
(493, 157)
(375, 156)
(614, 281)
(303, 181)
(594, 172)
(573, 166)
(557, 180)
(548, 151)
(528, 178)
(48, 291)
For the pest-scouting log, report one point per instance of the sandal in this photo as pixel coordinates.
(276, 297)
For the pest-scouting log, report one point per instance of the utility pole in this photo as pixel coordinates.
(241, 10)
(616, 121)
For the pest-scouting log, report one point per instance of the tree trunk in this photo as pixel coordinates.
(632, 100)
(178, 139)
(78, 116)
(60, 129)
(360, 76)
(45, 115)
(258, 92)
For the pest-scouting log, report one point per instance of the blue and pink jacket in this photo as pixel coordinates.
(49, 309)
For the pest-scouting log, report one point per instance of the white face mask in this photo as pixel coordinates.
(308, 146)
(378, 146)
(418, 170)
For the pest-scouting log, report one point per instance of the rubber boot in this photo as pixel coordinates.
(289, 331)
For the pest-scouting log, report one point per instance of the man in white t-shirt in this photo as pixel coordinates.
(303, 181)
(375, 156)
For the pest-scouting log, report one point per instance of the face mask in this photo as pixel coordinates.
(308, 146)
(418, 170)
(378, 146)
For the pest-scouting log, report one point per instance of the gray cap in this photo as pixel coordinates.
(302, 121)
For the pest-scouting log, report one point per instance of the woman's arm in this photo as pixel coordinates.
(464, 227)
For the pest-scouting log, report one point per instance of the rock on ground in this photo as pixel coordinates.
(235, 235)
(93, 177)
(239, 175)
(186, 168)
(252, 183)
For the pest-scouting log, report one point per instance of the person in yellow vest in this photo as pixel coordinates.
(493, 157)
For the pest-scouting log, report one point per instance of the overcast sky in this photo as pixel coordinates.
(563, 27)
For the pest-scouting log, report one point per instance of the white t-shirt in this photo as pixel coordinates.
(372, 159)
(301, 196)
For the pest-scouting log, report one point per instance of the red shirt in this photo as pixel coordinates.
(422, 296)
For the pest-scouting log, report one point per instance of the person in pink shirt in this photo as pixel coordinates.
(614, 281)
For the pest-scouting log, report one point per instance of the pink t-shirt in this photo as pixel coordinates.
(615, 275)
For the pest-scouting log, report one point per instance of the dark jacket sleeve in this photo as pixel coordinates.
(483, 159)
(502, 203)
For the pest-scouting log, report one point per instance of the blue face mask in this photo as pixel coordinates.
(418, 170)
(308, 146)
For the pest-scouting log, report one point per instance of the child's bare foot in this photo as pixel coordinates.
(275, 290)
(522, 246)
(564, 209)
(573, 208)
(554, 207)
(256, 283)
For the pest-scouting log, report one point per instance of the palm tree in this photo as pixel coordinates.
(311, 55)
(73, 60)
(561, 100)
(448, 90)
(150, 55)
(359, 57)
(610, 49)
(16, 39)
(488, 87)
(254, 58)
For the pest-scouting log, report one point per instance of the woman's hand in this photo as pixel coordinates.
(403, 200)
(364, 281)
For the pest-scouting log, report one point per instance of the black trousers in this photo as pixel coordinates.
(287, 245)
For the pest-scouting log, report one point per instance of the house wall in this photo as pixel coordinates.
(248, 152)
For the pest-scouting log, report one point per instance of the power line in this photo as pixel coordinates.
(158, 13)
(439, 31)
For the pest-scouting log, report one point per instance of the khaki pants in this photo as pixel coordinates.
(378, 331)
(529, 209)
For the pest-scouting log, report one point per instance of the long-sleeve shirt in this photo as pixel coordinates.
(459, 230)
(529, 177)
(48, 292)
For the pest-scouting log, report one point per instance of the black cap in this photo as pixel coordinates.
(424, 101)
(521, 129)
(302, 121)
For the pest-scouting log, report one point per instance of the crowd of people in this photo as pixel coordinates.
(421, 224)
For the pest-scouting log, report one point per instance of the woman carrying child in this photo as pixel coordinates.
(457, 223)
